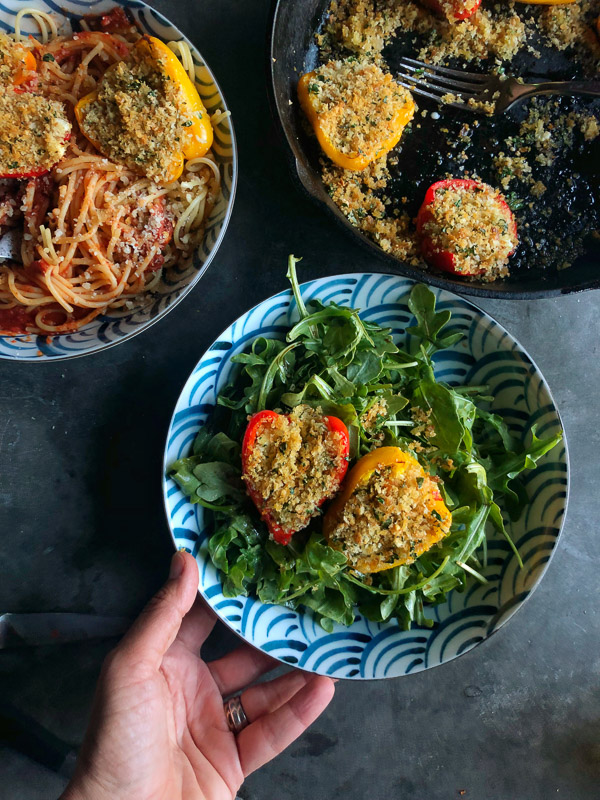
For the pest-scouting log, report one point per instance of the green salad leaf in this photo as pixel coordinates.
(386, 395)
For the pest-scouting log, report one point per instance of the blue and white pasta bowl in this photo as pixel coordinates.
(114, 327)
(487, 354)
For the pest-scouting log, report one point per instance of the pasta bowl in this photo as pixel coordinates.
(114, 327)
(486, 354)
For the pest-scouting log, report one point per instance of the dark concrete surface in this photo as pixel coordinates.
(82, 525)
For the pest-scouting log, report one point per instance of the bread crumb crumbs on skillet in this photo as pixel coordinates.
(365, 27)
(293, 465)
(389, 519)
(360, 196)
(498, 32)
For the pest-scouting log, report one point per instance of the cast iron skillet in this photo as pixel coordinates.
(293, 51)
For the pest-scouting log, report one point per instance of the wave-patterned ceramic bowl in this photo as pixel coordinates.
(487, 354)
(115, 327)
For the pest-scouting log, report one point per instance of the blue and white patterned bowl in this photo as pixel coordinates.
(110, 329)
(487, 354)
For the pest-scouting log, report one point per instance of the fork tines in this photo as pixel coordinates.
(434, 82)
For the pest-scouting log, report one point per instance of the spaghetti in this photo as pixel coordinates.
(96, 234)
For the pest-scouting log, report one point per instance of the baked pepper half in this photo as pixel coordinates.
(357, 111)
(476, 211)
(28, 151)
(198, 137)
(200, 132)
(292, 463)
(389, 512)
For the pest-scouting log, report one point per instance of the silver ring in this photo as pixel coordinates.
(235, 714)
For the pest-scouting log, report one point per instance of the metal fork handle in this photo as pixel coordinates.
(558, 87)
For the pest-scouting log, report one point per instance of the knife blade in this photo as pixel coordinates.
(10, 245)
(20, 630)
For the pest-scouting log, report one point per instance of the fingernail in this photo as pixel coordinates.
(176, 568)
(335, 680)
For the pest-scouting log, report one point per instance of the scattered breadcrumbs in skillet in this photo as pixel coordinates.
(389, 519)
(293, 464)
(361, 197)
(34, 132)
(365, 27)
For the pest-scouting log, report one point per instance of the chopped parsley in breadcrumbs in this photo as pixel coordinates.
(34, 132)
(389, 519)
(138, 116)
(293, 466)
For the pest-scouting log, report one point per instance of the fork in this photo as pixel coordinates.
(487, 94)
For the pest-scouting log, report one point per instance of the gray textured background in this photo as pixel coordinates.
(82, 526)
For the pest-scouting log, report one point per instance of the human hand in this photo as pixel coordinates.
(158, 730)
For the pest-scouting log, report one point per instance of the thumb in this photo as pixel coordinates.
(154, 631)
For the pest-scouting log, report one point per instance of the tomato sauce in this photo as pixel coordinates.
(14, 320)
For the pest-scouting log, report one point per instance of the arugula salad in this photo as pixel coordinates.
(388, 400)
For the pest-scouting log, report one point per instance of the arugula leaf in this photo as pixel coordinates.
(429, 321)
(217, 447)
(511, 464)
(365, 368)
(446, 414)
(218, 481)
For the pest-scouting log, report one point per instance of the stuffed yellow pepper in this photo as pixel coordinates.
(357, 111)
(147, 113)
(389, 512)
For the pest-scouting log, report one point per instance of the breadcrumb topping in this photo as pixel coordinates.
(137, 118)
(34, 132)
(294, 464)
(358, 106)
(389, 519)
(474, 226)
